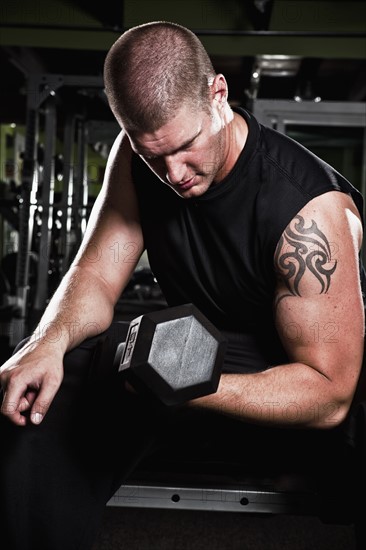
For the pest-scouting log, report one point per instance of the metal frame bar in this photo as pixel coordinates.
(203, 32)
(65, 204)
(215, 498)
(26, 211)
(80, 195)
(47, 198)
(282, 112)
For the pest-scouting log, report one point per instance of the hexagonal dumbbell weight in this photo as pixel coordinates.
(175, 353)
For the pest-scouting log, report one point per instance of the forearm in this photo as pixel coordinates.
(80, 308)
(287, 395)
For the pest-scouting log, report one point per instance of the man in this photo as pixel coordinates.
(261, 235)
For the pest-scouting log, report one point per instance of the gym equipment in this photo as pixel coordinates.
(175, 354)
(51, 230)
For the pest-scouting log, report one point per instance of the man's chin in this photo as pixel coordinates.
(191, 193)
(196, 190)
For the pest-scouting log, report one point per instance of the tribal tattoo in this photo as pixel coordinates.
(302, 250)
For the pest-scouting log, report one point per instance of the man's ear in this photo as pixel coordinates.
(219, 91)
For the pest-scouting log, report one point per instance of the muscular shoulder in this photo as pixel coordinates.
(322, 239)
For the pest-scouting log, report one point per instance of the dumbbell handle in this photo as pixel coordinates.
(118, 355)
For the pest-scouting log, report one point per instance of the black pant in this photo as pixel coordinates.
(57, 477)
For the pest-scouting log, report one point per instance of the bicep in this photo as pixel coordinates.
(113, 241)
(318, 302)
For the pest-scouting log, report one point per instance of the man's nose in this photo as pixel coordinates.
(175, 169)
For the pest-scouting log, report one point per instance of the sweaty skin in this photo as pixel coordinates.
(191, 153)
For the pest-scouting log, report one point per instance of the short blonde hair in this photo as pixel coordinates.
(153, 69)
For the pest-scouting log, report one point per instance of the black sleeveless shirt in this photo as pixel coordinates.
(217, 250)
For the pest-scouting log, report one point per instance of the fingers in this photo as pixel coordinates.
(13, 404)
(42, 402)
(25, 401)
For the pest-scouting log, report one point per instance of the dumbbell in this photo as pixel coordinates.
(175, 354)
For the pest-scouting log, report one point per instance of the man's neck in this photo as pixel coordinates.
(236, 133)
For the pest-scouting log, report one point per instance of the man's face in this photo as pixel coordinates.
(188, 153)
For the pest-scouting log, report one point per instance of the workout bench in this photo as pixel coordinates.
(225, 487)
(262, 498)
(292, 495)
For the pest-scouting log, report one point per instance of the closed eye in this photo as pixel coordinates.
(184, 147)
